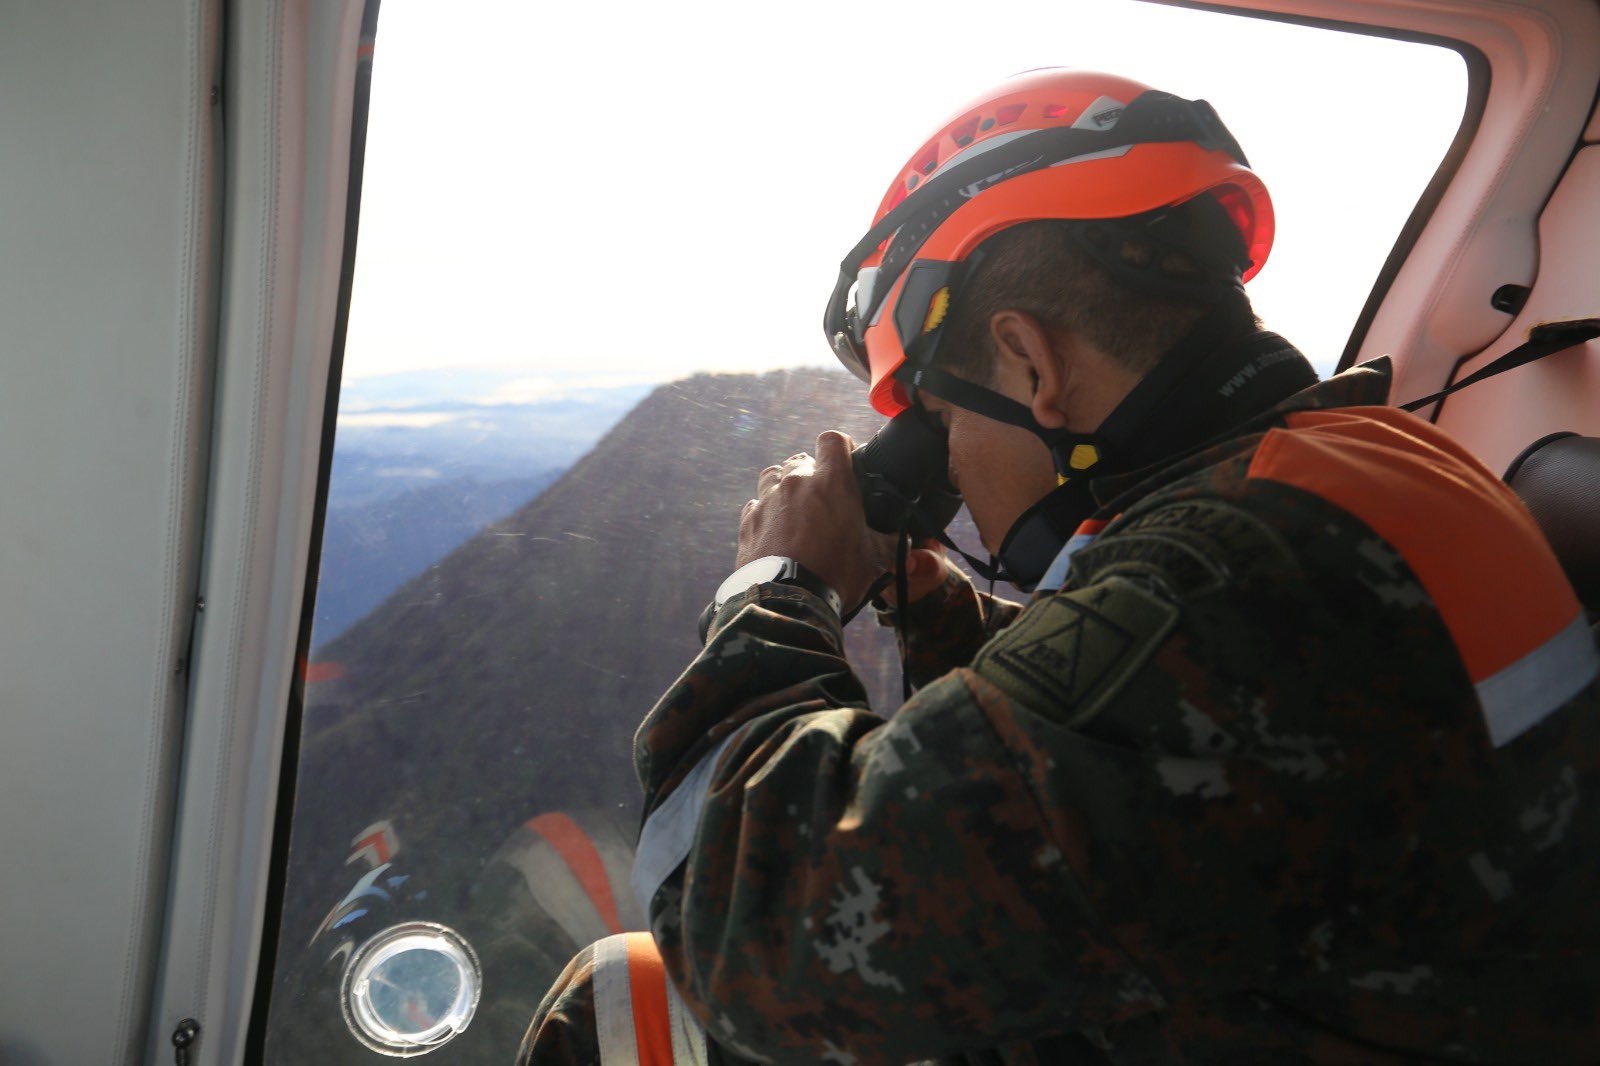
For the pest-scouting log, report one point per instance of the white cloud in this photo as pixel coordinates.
(397, 419)
(409, 472)
(350, 405)
(544, 389)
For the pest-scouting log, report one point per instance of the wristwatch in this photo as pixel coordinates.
(776, 568)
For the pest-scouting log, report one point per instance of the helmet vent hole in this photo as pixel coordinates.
(1055, 111)
(928, 162)
(1005, 116)
(986, 124)
(964, 133)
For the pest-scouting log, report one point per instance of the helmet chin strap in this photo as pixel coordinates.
(1222, 373)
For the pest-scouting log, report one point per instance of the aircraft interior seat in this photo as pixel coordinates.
(1558, 478)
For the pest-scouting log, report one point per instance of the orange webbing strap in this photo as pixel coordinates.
(639, 1018)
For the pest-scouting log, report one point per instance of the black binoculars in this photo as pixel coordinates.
(904, 476)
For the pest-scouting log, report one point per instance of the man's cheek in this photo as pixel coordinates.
(961, 462)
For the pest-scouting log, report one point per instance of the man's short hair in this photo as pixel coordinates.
(1042, 268)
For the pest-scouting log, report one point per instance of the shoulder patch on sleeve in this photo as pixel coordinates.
(1067, 656)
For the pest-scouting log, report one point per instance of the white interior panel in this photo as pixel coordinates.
(107, 284)
(1501, 416)
(291, 75)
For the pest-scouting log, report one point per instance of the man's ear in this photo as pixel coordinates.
(1029, 357)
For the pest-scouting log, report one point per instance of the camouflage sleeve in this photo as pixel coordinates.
(563, 1032)
(945, 628)
(823, 883)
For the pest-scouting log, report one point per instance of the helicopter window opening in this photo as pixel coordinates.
(543, 441)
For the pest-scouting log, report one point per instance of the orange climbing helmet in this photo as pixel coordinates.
(1048, 144)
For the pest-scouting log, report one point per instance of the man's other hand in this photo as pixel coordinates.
(809, 509)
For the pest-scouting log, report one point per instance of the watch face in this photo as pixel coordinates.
(767, 568)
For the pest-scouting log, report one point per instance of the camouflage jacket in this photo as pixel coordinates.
(1300, 763)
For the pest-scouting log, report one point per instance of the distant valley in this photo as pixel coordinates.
(422, 461)
(370, 549)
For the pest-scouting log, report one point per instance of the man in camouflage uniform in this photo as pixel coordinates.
(1293, 755)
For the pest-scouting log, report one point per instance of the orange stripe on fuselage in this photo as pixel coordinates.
(647, 987)
(1469, 540)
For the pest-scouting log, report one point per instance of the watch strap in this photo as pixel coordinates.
(795, 574)
(808, 580)
(779, 570)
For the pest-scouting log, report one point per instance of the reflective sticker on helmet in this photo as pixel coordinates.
(938, 308)
(988, 144)
(863, 292)
(1106, 153)
(1100, 115)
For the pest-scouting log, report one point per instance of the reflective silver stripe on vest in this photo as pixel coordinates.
(688, 1039)
(1520, 696)
(613, 1003)
(1056, 575)
(668, 833)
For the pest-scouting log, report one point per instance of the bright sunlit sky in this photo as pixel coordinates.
(632, 192)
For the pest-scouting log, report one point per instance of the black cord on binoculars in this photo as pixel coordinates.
(902, 596)
(902, 592)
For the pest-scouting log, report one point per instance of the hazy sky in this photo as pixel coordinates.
(632, 192)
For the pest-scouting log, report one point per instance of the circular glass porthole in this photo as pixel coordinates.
(411, 988)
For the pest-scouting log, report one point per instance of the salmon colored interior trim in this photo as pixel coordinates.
(1471, 543)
